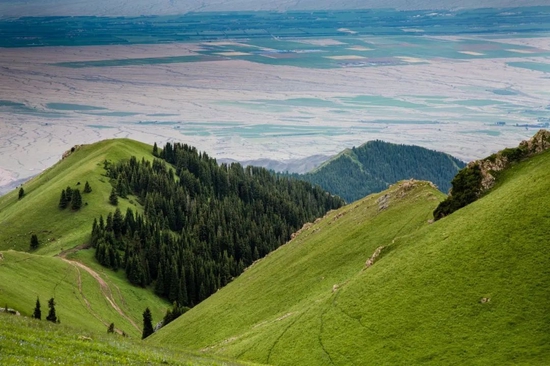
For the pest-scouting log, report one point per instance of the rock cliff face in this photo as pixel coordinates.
(489, 166)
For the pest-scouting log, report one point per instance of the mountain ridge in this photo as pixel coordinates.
(373, 166)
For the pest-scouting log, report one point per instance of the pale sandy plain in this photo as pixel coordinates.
(171, 97)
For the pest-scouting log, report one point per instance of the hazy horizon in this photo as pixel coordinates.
(12, 8)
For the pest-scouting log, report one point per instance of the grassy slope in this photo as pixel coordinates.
(25, 276)
(289, 289)
(419, 303)
(38, 211)
(30, 342)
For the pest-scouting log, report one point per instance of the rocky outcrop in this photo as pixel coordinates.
(10, 311)
(67, 153)
(373, 257)
(538, 143)
(479, 176)
(497, 162)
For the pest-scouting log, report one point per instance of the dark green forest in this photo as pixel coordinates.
(372, 167)
(202, 223)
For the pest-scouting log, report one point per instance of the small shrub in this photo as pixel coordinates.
(34, 241)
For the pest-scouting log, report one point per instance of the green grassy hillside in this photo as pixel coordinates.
(471, 288)
(37, 212)
(373, 166)
(31, 342)
(84, 301)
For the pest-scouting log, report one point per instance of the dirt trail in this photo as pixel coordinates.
(105, 290)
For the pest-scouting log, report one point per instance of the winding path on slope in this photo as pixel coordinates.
(104, 286)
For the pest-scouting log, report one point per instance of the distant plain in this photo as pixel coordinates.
(253, 85)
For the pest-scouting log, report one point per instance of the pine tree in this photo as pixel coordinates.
(118, 223)
(68, 194)
(76, 201)
(155, 150)
(111, 328)
(159, 285)
(51, 314)
(21, 192)
(37, 314)
(113, 198)
(147, 324)
(87, 188)
(63, 200)
(34, 241)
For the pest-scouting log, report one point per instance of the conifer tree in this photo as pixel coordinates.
(113, 198)
(34, 241)
(111, 328)
(63, 203)
(21, 192)
(76, 201)
(87, 188)
(51, 314)
(155, 150)
(68, 194)
(37, 314)
(159, 285)
(118, 223)
(147, 324)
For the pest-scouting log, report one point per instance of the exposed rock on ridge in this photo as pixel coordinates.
(479, 176)
(497, 162)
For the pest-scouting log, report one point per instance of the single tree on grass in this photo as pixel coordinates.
(51, 314)
(87, 188)
(113, 198)
(37, 314)
(34, 241)
(111, 328)
(21, 192)
(147, 323)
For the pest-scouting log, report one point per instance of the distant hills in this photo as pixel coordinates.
(377, 280)
(165, 7)
(302, 165)
(373, 166)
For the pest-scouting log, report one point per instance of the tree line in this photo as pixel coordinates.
(202, 223)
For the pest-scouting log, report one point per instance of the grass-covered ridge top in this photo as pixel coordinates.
(469, 289)
(480, 176)
(38, 211)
